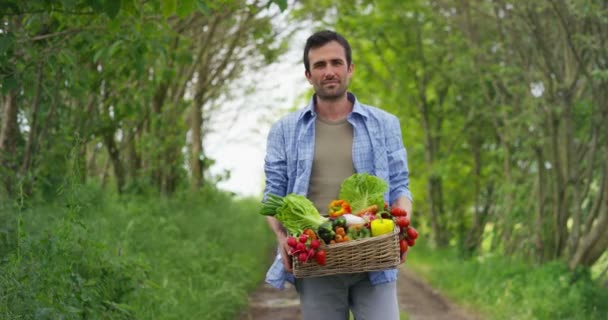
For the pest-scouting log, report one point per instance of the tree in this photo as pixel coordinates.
(508, 99)
(120, 75)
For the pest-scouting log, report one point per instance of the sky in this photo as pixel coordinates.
(239, 143)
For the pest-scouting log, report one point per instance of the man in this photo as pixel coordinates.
(310, 152)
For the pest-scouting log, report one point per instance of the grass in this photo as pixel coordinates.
(96, 256)
(502, 288)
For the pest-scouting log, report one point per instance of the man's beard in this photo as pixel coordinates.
(332, 94)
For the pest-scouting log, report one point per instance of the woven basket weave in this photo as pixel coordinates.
(369, 254)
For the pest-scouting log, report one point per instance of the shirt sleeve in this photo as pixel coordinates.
(399, 180)
(275, 162)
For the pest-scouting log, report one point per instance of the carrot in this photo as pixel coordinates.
(372, 209)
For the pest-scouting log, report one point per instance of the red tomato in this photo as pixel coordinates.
(403, 221)
(412, 233)
(398, 212)
(403, 246)
(411, 242)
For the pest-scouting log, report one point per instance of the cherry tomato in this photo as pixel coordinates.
(403, 246)
(412, 233)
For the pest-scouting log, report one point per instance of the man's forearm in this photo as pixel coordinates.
(277, 227)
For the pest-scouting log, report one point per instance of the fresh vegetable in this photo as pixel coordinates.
(340, 231)
(371, 209)
(320, 257)
(300, 246)
(338, 208)
(305, 247)
(403, 246)
(358, 232)
(362, 190)
(341, 235)
(310, 254)
(398, 212)
(412, 233)
(326, 232)
(402, 221)
(310, 233)
(411, 242)
(339, 222)
(292, 242)
(295, 212)
(368, 217)
(382, 226)
(352, 220)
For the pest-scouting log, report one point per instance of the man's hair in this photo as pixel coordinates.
(321, 38)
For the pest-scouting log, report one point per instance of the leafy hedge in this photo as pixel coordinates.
(95, 256)
(503, 288)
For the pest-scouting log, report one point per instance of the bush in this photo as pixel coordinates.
(504, 288)
(99, 256)
(64, 274)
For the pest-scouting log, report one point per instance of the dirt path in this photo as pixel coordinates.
(416, 298)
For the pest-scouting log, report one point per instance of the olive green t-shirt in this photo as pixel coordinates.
(332, 162)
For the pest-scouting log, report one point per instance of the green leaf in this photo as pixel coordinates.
(168, 7)
(9, 83)
(281, 3)
(204, 7)
(112, 7)
(100, 54)
(185, 7)
(115, 47)
(68, 4)
(6, 43)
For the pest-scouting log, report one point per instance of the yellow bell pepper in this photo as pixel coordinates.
(382, 226)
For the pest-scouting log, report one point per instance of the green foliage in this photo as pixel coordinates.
(66, 274)
(501, 129)
(114, 80)
(97, 256)
(506, 288)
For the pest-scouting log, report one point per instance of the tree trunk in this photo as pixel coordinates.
(483, 204)
(33, 123)
(540, 215)
(132, 159)
(8, 141)
(114, 155)
(196, 146)
(594, 243)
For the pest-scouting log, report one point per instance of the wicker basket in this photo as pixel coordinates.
(369, 254)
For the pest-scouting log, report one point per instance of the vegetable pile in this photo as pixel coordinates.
(295, 212)
(306, 246)
(359, 213)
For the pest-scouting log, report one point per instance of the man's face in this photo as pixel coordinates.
(329, 73)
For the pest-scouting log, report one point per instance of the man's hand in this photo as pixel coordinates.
(286, 257)
(404, 203)
(281, 234)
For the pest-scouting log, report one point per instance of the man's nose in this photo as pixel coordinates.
(330, 73)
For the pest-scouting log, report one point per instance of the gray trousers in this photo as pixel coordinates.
(331, 298)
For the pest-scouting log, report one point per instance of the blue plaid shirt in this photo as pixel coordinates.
(377, 149)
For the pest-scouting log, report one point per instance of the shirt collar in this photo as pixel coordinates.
(309, 111)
